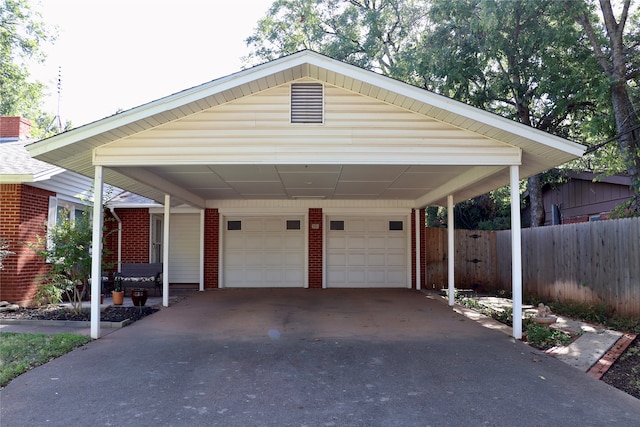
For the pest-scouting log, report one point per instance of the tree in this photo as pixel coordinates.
(372, 34)
(66, 248)
(22, 35)
(617, 50)
(520, 59)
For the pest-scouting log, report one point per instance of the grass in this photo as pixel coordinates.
(21, 352)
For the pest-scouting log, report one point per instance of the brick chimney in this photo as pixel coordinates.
(14, 129)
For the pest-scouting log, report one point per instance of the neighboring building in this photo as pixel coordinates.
(585, 196)
(32, 194)
(302, 172)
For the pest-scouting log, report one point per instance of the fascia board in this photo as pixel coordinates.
(15, 178)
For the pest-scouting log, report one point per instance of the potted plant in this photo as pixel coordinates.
(139, 297)
(118, 293)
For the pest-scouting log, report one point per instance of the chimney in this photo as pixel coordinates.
(14, 129)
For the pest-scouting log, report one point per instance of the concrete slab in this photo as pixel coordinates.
(587, 349)
(275, 357)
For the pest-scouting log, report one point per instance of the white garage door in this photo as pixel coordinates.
(367, 252)
(263, 252)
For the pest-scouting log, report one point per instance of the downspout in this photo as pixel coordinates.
(113, 212)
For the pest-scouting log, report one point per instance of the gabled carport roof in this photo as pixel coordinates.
(433, 165)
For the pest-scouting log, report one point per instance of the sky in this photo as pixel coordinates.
(117, 54)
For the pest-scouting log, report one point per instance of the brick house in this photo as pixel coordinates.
(32, 194)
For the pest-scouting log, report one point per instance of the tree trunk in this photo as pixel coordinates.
(535, 199)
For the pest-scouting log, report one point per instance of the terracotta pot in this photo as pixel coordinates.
(118, 297)
(139, 297)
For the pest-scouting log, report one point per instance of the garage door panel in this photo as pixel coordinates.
(262, 252)
(369, 252)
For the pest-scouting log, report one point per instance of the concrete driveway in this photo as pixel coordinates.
(310, 358)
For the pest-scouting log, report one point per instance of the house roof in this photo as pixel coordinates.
(18, 166)
(382, 139)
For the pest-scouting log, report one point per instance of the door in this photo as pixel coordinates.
(264, 252)
(157, 229)
(367, 252)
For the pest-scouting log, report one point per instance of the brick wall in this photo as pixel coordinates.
(211, 249)
(23, 216)
(135, 234)
(315, 248)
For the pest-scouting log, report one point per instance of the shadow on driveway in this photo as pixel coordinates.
(277, 357)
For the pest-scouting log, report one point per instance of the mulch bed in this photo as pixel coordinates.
(111, 314)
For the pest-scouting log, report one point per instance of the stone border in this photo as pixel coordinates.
(64, 323)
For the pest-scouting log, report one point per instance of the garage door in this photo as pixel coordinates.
(367, 252)
(263, 252)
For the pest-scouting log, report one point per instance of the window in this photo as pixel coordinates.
(293, 224)
(336, 225)
(60, 211)
(395, 225)
(234, 225)
(307, 105)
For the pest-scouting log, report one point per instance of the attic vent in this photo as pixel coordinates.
(306, 103)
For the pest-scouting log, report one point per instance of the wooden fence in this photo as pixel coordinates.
(594, 262)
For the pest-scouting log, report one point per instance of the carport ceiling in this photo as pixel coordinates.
(224, 182)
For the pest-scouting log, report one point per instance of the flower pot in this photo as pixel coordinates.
(101, 298)
(139, 297)
(118, 297)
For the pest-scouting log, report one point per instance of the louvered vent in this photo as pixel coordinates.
(306, 103)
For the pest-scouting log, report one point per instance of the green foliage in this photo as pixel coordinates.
(68, 255)
(49, 293)
(22, 36)
(4, 251)
(542, 337)
(21, 352)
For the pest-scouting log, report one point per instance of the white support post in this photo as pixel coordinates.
(202, 231)
(165, 251)
(451, 250)
(516, 252)
(419, 228)
(96, 253)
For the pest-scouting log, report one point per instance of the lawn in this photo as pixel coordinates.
(20, 352)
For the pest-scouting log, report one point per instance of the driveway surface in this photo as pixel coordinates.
(299, 357)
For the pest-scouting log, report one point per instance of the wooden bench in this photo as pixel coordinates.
(141, 275)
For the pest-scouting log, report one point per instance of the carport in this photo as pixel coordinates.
(346, 158)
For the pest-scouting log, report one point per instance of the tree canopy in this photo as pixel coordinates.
(530, 61)
(23, 34)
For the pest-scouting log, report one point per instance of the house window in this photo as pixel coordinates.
(307, 104)
(60, 211)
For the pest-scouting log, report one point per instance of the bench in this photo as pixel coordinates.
(141, 275)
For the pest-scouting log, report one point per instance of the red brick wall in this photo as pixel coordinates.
(315, 248)
(211, 247)
(135, 234)
(23, 216)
